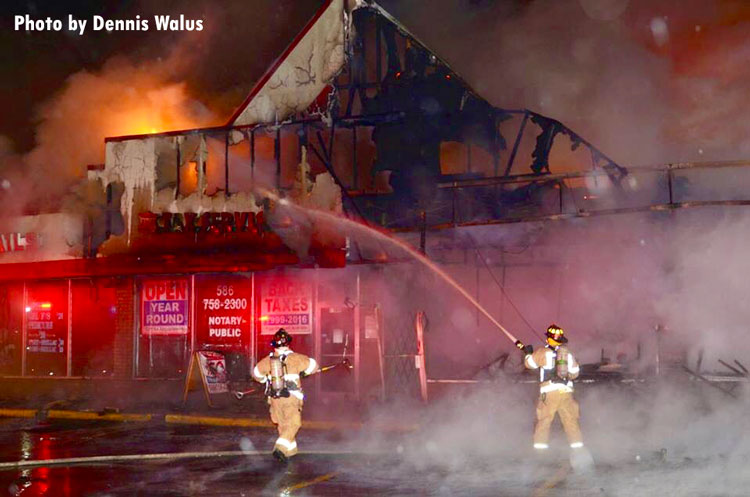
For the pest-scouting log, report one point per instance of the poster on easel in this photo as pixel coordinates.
(209, 369)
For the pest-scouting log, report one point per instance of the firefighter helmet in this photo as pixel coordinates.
(281, 339)
(556, 333)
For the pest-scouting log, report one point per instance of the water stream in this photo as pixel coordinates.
(367, 230)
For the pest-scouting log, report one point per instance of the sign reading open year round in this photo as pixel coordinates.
(286, 303)
(164, 306)
(223, 311)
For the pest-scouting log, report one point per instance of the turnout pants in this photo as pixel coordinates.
(286, 413)
(563, 404)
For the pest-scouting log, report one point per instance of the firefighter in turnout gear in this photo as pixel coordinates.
(281, 372)
(557, 370)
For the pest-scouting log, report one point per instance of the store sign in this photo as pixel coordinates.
(43, 237)
(286, 303)
(164, 306)
(214, 371)
(223, 312)
(207, 222)
(17, 242)
(46, 328)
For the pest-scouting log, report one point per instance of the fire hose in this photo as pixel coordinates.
(348, 366)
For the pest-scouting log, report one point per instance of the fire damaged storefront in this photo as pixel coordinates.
(212, 239)
(142, 327)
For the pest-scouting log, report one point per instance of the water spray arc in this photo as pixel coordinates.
(398, 243)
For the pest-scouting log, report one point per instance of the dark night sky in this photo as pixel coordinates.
(242, 38)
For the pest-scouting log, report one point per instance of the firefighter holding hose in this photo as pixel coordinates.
(557, 370)
(281, 372)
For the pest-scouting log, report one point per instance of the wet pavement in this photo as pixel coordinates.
(331, 464)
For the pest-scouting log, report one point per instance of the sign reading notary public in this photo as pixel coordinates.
(164, 306)
(286, 303)
(223, 311)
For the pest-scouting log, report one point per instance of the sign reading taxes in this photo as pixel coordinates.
(286, 303)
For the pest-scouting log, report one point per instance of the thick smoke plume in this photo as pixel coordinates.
(122, 98)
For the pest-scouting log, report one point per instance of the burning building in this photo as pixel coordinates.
(213, 238)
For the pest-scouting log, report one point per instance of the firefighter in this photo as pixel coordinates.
(281, 371)
(557, 370)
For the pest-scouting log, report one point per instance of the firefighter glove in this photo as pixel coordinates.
(527, 349)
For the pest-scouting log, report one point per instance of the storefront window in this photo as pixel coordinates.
(164, 335)
(94, 321)
(223, 319)
(286, 301)
(11, 323)
(223, 312)
(47, 328)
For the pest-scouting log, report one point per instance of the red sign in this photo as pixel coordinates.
(286, 303)
(164, 306)
(46, 327)
(223, 310)
(208, 222)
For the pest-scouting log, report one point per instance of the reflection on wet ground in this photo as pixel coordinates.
(328, 470)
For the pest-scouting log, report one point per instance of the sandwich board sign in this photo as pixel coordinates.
(209, 370)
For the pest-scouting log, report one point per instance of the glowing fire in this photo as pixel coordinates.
(159, 110)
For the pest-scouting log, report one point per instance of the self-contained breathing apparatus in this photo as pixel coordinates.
(277, 385)
(561, 365)
(559, 372)
(555, 342)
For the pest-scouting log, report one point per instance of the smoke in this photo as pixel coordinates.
(122, 98)
(608, 282)
(155, 82)
(667, 437)
(646, 82)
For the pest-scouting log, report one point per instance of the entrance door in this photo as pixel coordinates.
(337, 342)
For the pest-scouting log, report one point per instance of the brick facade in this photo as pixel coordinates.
(124, 329)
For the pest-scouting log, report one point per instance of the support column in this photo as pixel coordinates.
(124, 329)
